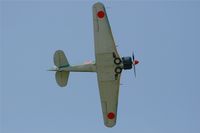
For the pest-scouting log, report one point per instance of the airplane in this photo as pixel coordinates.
(108, 65)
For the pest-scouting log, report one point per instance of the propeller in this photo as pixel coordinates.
(135, 62)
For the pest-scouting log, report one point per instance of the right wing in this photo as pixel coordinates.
(104, 42)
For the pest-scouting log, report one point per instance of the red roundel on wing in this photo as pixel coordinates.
(100, 14)
(111, 115)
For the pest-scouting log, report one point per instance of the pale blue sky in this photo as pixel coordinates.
(164, 98)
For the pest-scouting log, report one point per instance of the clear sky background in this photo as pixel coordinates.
(164, 98)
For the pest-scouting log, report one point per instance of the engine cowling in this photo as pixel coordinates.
(127, 63)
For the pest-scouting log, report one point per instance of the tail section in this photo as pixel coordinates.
(61, 61)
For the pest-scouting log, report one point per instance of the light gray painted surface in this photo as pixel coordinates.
(108, 81)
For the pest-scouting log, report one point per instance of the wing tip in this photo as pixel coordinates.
(98, 4)
(110, 124)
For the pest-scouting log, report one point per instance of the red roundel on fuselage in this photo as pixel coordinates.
(111, 115)
(100, 14)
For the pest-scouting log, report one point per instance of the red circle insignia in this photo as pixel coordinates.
(100, 14)
(111, 115)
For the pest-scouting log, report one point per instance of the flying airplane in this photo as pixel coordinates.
(108, 65)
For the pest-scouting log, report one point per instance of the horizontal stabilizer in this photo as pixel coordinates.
(62, 78)
(60, 59)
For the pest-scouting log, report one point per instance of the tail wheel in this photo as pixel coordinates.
(118, 70)
(117, 61)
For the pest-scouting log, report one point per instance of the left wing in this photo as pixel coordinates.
(109, 91)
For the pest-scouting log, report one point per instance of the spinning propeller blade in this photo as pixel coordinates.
(134, 63)
(133, 56)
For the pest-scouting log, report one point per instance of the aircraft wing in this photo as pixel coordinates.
(105, 53)
(104, 42)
